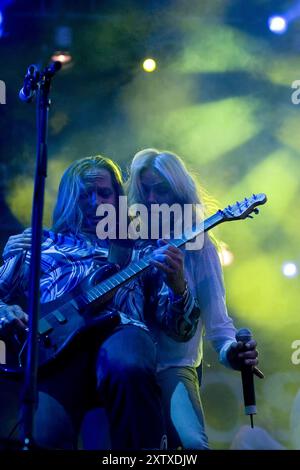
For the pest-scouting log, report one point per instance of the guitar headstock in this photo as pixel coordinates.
(243, 209)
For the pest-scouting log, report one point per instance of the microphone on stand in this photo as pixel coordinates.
(40, 81)
(244, 336)
(28, 90)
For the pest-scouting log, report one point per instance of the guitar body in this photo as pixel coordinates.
(64, 323)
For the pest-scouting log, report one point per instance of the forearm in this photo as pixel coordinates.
(222, 346)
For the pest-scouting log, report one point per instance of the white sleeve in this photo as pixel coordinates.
(219, 327)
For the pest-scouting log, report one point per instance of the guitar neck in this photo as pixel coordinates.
(208, 224)
(239, 210)
(137, 267)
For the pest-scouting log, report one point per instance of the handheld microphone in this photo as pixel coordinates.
(27, 92)
(244, 335)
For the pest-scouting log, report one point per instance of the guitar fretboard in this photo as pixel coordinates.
(137, 267)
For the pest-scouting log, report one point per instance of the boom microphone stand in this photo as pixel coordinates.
(35, 82)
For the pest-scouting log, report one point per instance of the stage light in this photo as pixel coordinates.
(63, 57)
(63, 38)
(149, 65)
(289, 269)
(277, 24)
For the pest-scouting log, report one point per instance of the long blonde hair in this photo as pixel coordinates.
(67, 215)
(185, 188)
(184, 184)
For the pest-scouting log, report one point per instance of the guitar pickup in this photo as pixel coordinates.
(59, 317)
(44, 327)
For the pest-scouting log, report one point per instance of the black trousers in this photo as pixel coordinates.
(121, 376)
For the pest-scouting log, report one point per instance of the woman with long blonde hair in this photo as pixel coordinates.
(158, 177)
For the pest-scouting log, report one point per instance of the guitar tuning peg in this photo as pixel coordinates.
(256, 211)
(239, 206)
(254, 196)
(250, 216)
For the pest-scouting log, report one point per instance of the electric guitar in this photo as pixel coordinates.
(79, 311)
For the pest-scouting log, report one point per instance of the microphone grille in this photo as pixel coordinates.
(244, 335)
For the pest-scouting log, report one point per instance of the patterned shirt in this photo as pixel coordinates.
(66, 260)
